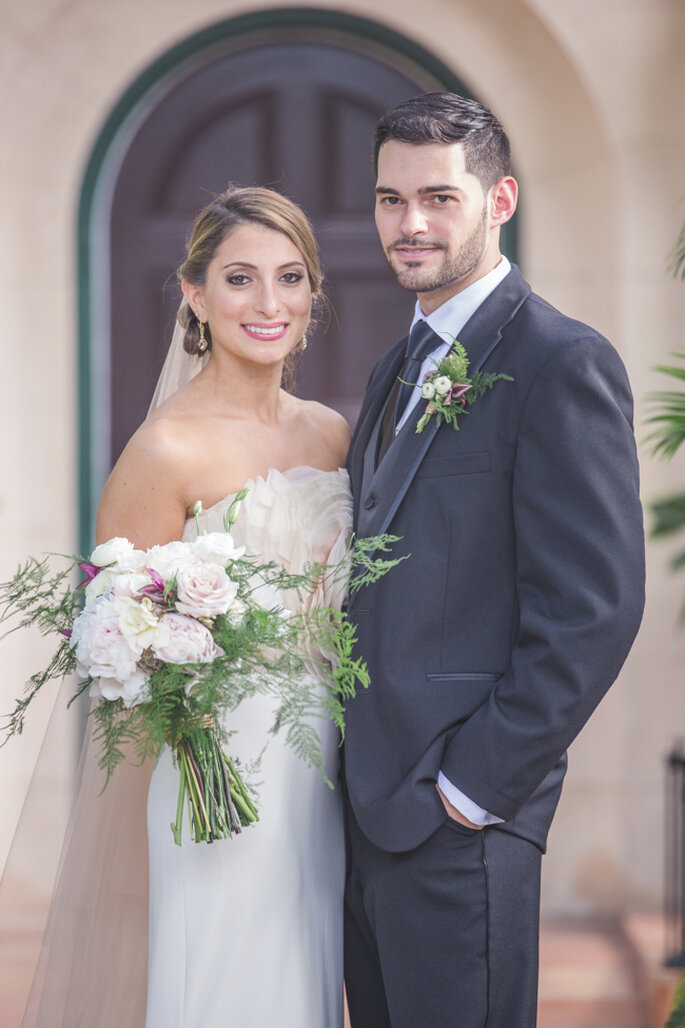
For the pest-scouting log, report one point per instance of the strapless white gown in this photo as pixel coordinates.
(247, 932)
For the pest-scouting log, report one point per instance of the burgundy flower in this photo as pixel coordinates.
(91, 571)
(457, 394)
(157, 579)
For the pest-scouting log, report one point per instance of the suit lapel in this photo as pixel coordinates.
(369, 416)
(381, 495)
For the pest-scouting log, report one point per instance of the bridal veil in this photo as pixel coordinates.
(91, 965)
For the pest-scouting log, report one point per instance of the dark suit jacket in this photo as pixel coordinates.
(490, 646)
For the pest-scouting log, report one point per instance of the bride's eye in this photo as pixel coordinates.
(238, 279)
(292, 277)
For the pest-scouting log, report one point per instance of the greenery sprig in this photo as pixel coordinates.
(450, 391)
(262, 649)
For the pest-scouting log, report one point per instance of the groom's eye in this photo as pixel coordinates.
(442, 199)
(389, 201)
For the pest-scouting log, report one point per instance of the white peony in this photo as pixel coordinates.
(188, 641)
(167, 560)
(102, 650)
(204, 590)
(217, 548)
(428, 390)
(101, 584)
(442, 385)
(132, 691)
(139, 621)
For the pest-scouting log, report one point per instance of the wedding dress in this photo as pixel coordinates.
(248, 931)
(245, 932)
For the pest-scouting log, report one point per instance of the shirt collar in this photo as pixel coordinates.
(449, 319)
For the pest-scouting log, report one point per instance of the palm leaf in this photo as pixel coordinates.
(678, 255)
(670, 413)
(668, 514)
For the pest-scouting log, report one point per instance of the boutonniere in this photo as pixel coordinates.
(449, 390)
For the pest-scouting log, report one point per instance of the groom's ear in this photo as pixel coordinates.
(502, 198)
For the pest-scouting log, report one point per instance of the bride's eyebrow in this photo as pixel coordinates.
(253, 267)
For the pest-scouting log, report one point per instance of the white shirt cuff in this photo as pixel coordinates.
(466, 806)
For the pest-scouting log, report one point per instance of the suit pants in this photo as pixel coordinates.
(443, 936)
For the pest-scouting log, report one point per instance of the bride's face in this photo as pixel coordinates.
(256, 296)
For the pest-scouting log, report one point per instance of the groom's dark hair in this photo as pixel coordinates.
(449, 118)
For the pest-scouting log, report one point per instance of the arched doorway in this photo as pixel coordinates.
(286, 98)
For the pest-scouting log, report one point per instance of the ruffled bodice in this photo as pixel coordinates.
(296, 517)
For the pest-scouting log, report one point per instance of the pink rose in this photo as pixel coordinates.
(204, 590)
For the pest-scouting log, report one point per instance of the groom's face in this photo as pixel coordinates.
(432, 218)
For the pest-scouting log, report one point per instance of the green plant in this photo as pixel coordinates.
(676, 1018)
(668, 514)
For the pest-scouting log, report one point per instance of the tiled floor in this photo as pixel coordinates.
(591, 976)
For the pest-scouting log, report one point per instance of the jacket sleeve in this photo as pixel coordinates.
(580, 576)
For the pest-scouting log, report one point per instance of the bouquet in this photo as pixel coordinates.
(169, 641)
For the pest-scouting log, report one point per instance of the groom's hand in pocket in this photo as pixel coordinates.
(455, 814)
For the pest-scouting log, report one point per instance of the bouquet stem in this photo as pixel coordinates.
(219, 804)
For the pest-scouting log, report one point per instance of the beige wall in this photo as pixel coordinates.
(591, 95)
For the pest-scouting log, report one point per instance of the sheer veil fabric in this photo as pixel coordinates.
(178, 368)
(91, 966)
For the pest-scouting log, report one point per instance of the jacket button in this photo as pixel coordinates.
(369, 503)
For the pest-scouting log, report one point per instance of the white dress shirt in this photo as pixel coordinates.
(447, 321)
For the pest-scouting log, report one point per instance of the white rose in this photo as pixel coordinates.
(167, 560)
(134, 562)
(129, 584)
(139, 621)
(102, 651)
(442, 385)
(132, 691)
(111, 552)
(188, 641)
(217, 548)
(428, 390)
(204, 590)
(102, 583)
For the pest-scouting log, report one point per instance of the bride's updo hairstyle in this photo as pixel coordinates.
(240, 206)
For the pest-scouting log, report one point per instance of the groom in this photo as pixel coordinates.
(492, 643)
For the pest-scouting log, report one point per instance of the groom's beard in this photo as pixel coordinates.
(453, 266)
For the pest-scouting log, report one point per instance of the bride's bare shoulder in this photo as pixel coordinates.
(161, 438)
(145, 497)
(330, 426)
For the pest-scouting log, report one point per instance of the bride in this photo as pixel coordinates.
(246, 931)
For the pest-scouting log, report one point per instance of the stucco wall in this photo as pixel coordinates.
(592, 98)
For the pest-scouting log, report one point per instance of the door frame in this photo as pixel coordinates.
(125, 118)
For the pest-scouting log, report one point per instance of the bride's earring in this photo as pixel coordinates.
(302, 345)
(202, 342)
